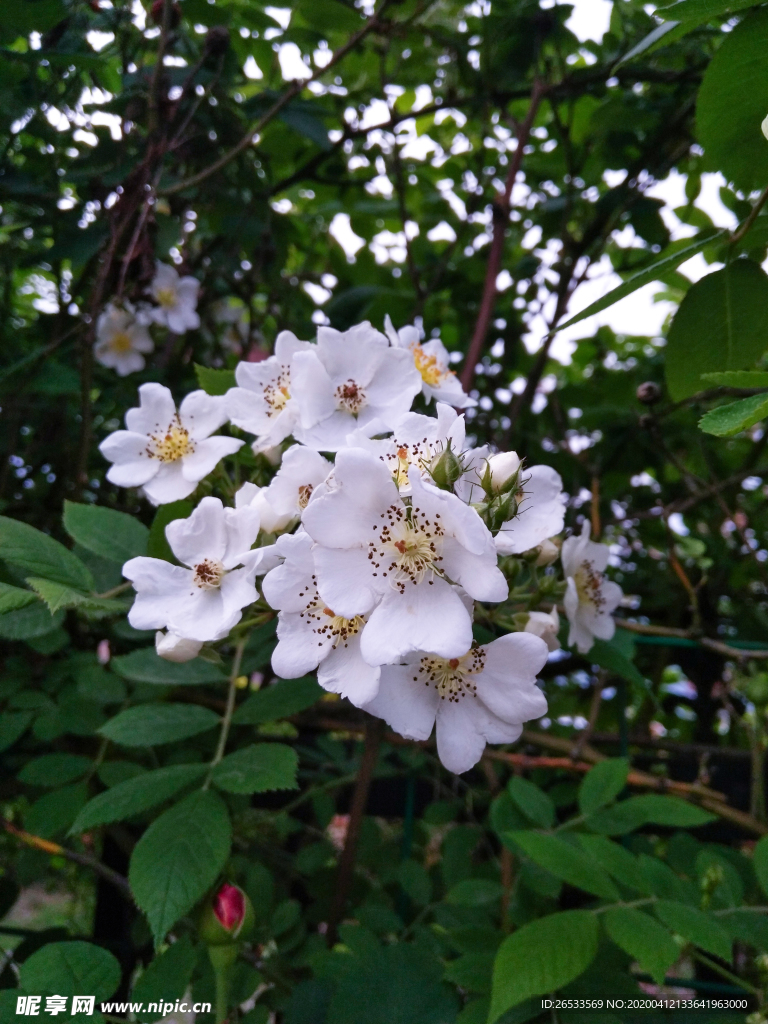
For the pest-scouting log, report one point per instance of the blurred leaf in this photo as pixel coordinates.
(257, 769)
(282, 699)
(474, 892)
(144, 666)
(136, 795)
(730, 419)
(649, 809)
(53, 770)
(29, 623)
(738, 378)
(40, 555)
(150, 724)
(166, 978)
(643, 939)
(53, 813)
(215, 382)
(157, 545)
(760, 863)
(567, 862)
(110, 534)
(71, 968)
(13, 598)
(532, 801)
(603, 783)
(696, 926)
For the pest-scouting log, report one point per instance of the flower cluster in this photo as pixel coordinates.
(392, 548)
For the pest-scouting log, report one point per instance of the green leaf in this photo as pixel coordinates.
(474, 892)
(150, 724)
(473, 972)
(53, 813)
(532, 801)
(699, 11)
(141, 793)
(760, 863)
(603, 783)
(649, 809)
(29, 623)
(166, 978)
(696, 926)
(257, 769)
(215, 382)
(110, 534)
(643, 939)
(738, 378)
(719, 326)
(655, 272)
(144, 666)
(12, 726)
(280, 700)
(732, 102)
(71, 969)
(618, 862)
(179, 858)
(729, 419)
(567, 862)
(12, 598)
(53, 770)
(29, 17)
(57, 596)
(38, 554)
(541, 957)
(607, 655)
(157, 545)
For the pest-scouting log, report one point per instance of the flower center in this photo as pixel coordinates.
(120, 342)
(407, 454)
(452, 678)
(208, 574)
(166, 297)
(172, 445)
(350, 397)
(325, 622)
(588, 583)
(305, 493)
(408, 547)
(277, 393)
(429, 366)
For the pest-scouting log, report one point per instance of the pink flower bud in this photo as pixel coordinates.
(229, 906)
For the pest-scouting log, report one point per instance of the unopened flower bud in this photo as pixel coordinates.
(227, 918)
(445, 469)
(176, 648)
(648, 393)
(546, 626)
(503, 469)
(548, 552)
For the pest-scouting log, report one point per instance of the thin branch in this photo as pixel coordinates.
(739, 653)
(739, 234)
(501, 208)
(298, 86)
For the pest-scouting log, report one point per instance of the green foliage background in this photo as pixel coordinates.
(570, 867)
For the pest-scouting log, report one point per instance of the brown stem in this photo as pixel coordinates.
(282, 101)
(374, 730)
(501, 207)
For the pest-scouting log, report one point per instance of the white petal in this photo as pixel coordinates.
(343, 671)
(285, 587)
(132, 465)
(394, 386)
(456, 518)
(479, 575)
(172, 647)
(201, 414)
(299, 648)
(507, 684)
(206, 455)
(330, 434)
(202, 535)
(312, 388)
(355, 354)
(237, 592)
(460, 741)
(169, 484)
(346, 582)
(427, 617)
(156, 412)
(408, 707)
(541, 513)
(241, 526)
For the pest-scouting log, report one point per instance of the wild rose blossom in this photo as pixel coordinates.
(483, 696)
(121, 340)
(376, 554)
(301, 472)
(432, 360)
(176, 299)
(263, 402)
(590, 597)
(201, 599)
(350, 380)
(165, 451)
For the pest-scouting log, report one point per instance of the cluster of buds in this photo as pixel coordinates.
(503, 492)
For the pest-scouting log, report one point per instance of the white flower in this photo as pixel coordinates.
(201, 599)
(540, 513)
(310, 635)
(416, 440)
(398, 561)
(546, 626)
(590, 598)
(432, 361)
(482, 697)
(173, 647)
(503, 466)
(121, 340)
(263, 402)
(164, 451)
(176, 299)
(301, 472)
(351, 380)
(548, 552)
(764, 127)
